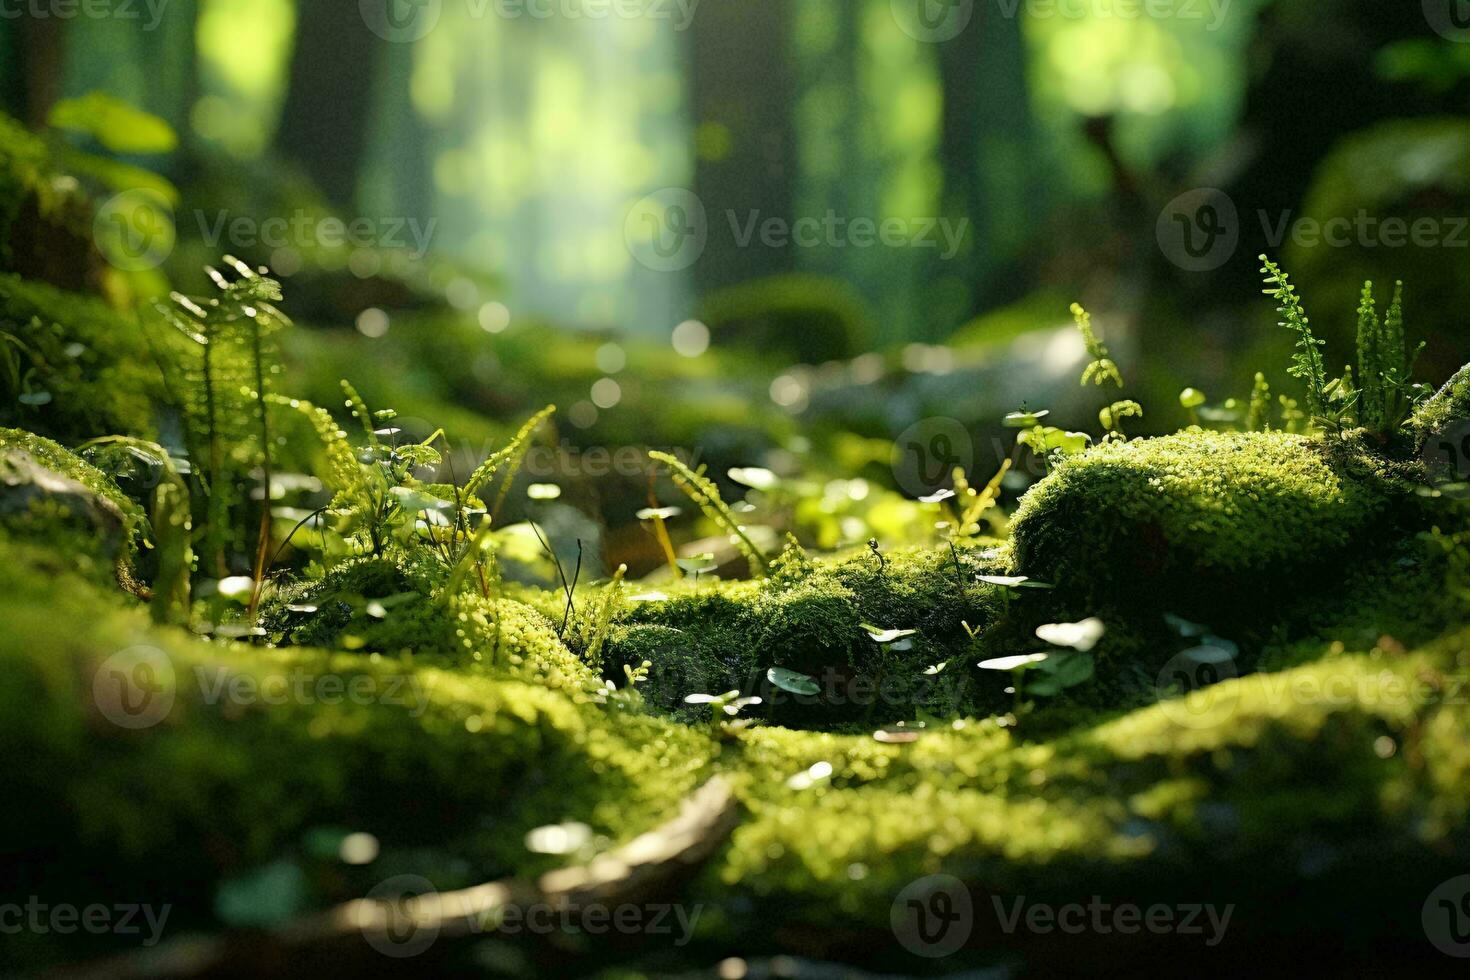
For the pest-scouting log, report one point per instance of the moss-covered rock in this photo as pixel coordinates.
(49, 494)
(1450, 404)
(1207, 519)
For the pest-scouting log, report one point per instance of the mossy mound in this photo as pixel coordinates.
(383, 605)
(1256, 791)
(807, 317)
(716, 637)
(1207, 520)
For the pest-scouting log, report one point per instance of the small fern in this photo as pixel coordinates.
(1101, 368)
(1306, 363)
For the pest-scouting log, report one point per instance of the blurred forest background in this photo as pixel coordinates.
(519, 166)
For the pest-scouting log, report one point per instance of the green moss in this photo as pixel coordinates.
(449, 769)
(1272, 782)
(83, 515)
(1207, 519)
(93, 362)
(386, 605)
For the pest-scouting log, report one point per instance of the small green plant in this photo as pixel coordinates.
(602, 619)
(1258, 415)
(1190, 399)
(722, 707)
(1016, 666)
(220, 360)
(1382, 396)
(1112, 417)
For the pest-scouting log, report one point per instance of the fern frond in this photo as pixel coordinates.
(1258, 416)
(602, 619)
(513, 452)
(359, 410)
(1307, 361)
(344, 472)
(1371, 361)
(706, 497)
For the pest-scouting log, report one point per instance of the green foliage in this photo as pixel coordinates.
(113, 123)
(1112, 417)
(72, 366)
(1383, 396)
(1384, 364)
(51, 495)
(148, 473)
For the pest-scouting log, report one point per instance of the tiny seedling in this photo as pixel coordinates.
(1017, 666)
(722, 706)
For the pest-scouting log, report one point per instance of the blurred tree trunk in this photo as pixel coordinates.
(325, 119)
(743, 93)
(1309, 87)
(31, 62)
(986, 152)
